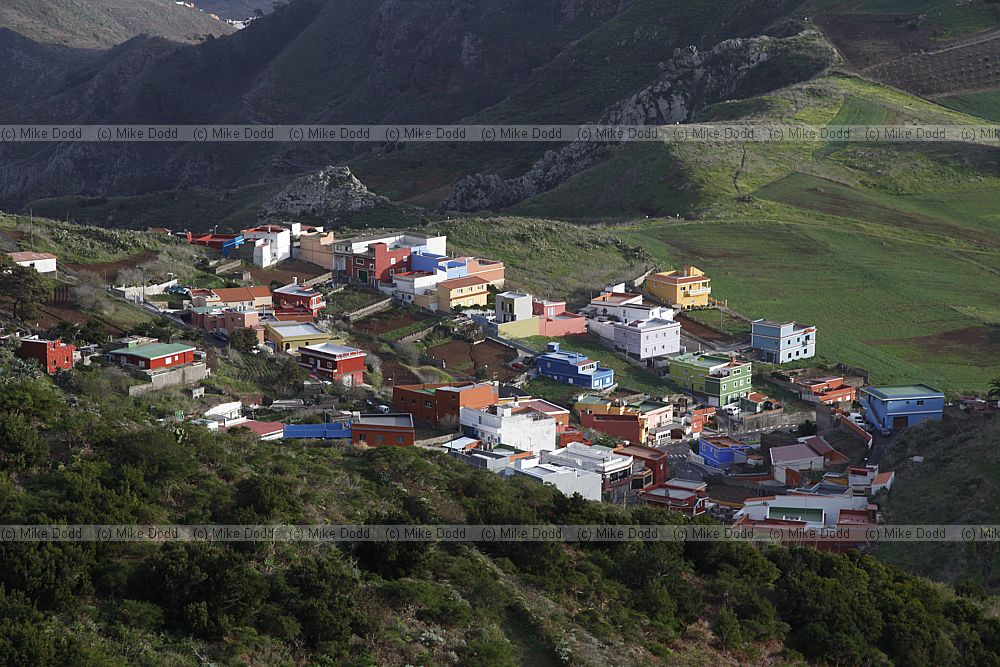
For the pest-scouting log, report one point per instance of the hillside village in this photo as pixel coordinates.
(387, 339)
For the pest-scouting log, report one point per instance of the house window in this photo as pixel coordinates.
(400, 440)
(920, 402)
(359, 261)
(363, 437)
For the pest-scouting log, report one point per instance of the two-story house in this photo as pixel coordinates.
(646, 340)
(687, 288)
(720, 378)
(781, 342)
(574, 368)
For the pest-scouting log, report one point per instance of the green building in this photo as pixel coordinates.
(721, 378)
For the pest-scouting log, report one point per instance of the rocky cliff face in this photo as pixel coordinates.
(688, 82)
(310, 61)
(331, 191)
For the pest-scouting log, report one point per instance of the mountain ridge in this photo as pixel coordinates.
(96, 24)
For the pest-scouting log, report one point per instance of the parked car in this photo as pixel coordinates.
(732, 410)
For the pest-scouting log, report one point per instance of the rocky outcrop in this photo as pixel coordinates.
(688, 82)
(332, 191)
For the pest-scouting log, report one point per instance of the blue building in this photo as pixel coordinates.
(446, 268)
(901, 406)
(574, 368)
(781, 342)
(723, 451)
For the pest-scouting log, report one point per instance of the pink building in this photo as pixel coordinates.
(556, 321)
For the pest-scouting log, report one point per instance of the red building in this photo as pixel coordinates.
(378, 263)
(699, 419)
(297, 302)
(152, 356)
(53, 355)
(567, 434)
(631, 427)
(334, 362)
(826, 390)
(655, 460)
(680, 495)
(383, 430)
(440, 404)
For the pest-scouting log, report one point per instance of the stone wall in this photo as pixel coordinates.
(188, 374)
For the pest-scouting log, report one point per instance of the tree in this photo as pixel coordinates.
(727, 628)
(994, 390)
(21, 287)
(20, 445)
(243, 340)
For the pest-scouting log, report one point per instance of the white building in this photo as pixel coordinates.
(226, 414)
(411, 284)
(815, 511)
(519, 427)
(612, 307)
(42, 262)
(648, 339)
(271, 244)
(780, 342)
(613, 468)
(350, 249)
(567, 480)
(625, 307)
(513, 307)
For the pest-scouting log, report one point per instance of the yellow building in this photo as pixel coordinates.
(317, 248)
(687, 288)
(464, 292)
(290, 336)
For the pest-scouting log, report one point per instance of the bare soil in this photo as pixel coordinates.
(487, 356)
(384, 322)
(702, 331)
(108, 271)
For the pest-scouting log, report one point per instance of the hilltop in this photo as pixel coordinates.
(101, 24)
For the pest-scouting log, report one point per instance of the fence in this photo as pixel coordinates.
(420, 335)
(189, 374)
(365, 311)
(326, 277)
(852, 429)
(138, 292)
(227, 266)
(853, 370)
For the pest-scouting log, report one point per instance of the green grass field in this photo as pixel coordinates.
(984, 105)
(548, 258)
(906, 311)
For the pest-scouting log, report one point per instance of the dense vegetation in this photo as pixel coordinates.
(956, 483)
(76, 452)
